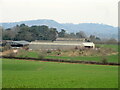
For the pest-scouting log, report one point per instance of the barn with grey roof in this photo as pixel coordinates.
(61, 43)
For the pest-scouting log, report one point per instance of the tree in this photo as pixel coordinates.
(111, 41)
(62, 33)
(81, 34)
(22, 25)
(8, 35)
(52, 34)
(72, 35)
(1, 32)
(98, 39)
(92, 37)
(24, 35)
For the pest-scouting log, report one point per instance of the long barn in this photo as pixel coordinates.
(61, 43)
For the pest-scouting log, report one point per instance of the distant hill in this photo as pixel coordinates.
(101, 30)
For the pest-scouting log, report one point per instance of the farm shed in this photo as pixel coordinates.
(18, 44)
(60, 44)
(88, 44)
(51, 45)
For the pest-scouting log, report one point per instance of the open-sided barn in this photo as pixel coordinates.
(18, 44)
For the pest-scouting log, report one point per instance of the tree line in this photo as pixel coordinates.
(24, 32)
(43, 32)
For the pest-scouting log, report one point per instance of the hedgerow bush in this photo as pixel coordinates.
(11, 54)
(41, 56)
(49, 51)
(104, 60)
(22, 53)
(1, 50)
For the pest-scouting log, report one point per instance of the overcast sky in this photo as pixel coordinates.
(63, 11)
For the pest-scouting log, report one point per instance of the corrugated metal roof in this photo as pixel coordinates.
(64, 43)
(21, 42)
(69, 39)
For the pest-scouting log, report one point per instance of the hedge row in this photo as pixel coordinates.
(60, 60)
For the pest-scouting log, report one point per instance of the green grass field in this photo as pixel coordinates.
(110, 58)
(36, 74)
(115, 47)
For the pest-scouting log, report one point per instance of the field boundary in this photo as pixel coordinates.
(65, 61)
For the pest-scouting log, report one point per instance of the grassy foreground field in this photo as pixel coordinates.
(36, 74)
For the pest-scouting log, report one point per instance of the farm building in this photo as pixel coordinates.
(18, 44)
(61, 43)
